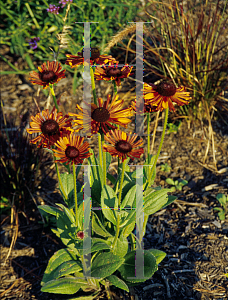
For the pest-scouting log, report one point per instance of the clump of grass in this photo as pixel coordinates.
(19, 164)
(190, 40)
(187, 42)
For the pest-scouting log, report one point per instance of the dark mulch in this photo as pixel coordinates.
(189, 231)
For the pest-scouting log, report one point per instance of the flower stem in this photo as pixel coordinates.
(121, 182)
(117, 230)
(93, 85)
(115, 87)
(160, 145)
(104, 159)
(148, 137)
(118, 216)
(53, 95)
(75, 195)
(59, 178)
(100, 149)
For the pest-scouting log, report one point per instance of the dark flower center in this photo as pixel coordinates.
(100, 114)
(166, 88)
(71, 152)
(113, 72)
(50, 127)
(48, 76)
(123, 146)
(95, 53)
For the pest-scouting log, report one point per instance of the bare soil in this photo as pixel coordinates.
(189, 230)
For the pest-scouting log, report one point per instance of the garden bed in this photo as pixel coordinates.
(189, 230)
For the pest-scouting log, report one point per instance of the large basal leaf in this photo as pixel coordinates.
(67, 285)
(66, 268)
(155, 200)
(56, 260)
(105, 264)
(98, 227)
(66, 231)
(147, 170)
(108, 160)
(49, 209)
(127, 185)
(96, 170)
(96, 193)
(127, 270)
(171, 198)
(70, 214)
(97, 245)
(129, 198)
(68, 186)
(121, 247)
(127, 230)
(109, 202)
(118, 282)
(158, 254)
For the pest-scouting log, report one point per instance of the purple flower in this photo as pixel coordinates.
(33, 42)
(64, 2)
(53, 9)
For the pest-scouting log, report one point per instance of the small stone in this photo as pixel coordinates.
(23, 87)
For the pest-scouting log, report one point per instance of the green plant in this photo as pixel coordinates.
(28, 20)
(4, 205)
(173, 127)
(96, 222)
(176, 185)
(223, 200)
(165, 168)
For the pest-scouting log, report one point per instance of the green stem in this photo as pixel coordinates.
(32, 15)
(148, 137)
(53, 95)
(160, 145)
(115, 87)
(104, 159)
(100, 150)
(121, 182)
(59, 178)
(75, 195)
(117, 230)
(93, 85)
(118, 216)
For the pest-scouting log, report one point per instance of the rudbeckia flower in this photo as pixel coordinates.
(71, 149)
(103, 115)
(164, 94)
(112, 73)
(123, 144)
(50, 126)
(96, 58)
(49, 73)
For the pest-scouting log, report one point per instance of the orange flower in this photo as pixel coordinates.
(103, 115)
(71, 149)
(48, 74)
(50, 126)
(123, 144)
(164, 94)
(147, 108)
(112, 73)
(96, 58)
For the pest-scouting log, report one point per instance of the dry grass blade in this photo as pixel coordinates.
(15, 234)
